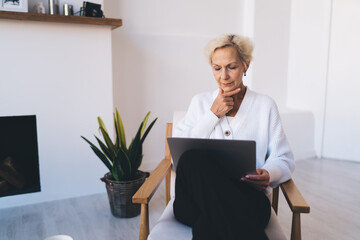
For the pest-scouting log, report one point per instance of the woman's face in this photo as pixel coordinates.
(227, 68)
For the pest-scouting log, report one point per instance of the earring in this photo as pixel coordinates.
(245, 74)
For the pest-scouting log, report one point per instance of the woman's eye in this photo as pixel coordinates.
(217, 69)
(233, 67)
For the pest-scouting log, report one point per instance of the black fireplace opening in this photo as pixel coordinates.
(19, 157)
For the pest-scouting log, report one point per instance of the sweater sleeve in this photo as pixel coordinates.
(280, 161)
(199, 121)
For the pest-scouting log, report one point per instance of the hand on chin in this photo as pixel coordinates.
(228, 88)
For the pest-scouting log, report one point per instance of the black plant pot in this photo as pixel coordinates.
(120, 194)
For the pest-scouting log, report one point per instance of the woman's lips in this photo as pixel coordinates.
(227, 84)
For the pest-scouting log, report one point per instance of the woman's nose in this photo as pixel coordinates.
(224, 74)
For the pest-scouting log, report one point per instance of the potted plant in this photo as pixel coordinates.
(123, 178)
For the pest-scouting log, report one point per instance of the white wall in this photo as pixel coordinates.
(271, 40)
(62, 74)
(308, 58)
(158, 61)
(342, 129)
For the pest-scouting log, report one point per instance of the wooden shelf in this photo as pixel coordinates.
(114, 23)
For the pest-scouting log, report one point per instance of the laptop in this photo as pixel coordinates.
(236, 157)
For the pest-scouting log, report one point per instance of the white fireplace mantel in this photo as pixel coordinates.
(25, 16)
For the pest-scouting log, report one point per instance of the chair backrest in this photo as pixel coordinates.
(177, 116)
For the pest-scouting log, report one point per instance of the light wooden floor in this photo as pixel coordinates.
(331, 188)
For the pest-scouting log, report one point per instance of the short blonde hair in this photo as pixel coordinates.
(243, 45)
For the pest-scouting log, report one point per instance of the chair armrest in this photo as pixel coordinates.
(294, 198)
(147, 190)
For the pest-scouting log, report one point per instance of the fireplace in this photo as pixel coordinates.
(19, 161)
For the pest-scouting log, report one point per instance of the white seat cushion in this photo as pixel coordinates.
(168, 228)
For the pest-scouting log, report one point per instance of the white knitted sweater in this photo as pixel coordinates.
(257, 119)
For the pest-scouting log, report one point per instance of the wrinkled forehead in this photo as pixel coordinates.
(225, 55)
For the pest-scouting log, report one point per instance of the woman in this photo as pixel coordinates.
(215, 206)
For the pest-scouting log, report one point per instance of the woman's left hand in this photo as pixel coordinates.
(260, 180)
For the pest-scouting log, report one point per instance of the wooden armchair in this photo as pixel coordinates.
(176, 229)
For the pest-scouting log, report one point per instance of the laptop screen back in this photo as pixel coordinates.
(236, 157)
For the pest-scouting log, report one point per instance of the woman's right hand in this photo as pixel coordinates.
(223, 103)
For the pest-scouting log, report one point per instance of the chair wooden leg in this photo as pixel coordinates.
(167, 186)
(295, 228)
(144, 222)
(275, 199)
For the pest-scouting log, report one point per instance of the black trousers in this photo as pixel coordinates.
(215, 206)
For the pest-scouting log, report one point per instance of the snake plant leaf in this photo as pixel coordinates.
(124, 162)
(144, 122)
(102, 158)
(99, 154)
(118, 171)
(102, 124)
(121, 131)
(115, 174)
(148, 130)
(105, 150)
(117, 137)
(108, 141)
(136, 147)
(138, 135)
(137, 160)
(119, 144)
(139, 156)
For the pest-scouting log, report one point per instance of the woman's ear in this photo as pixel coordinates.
(247, 65)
